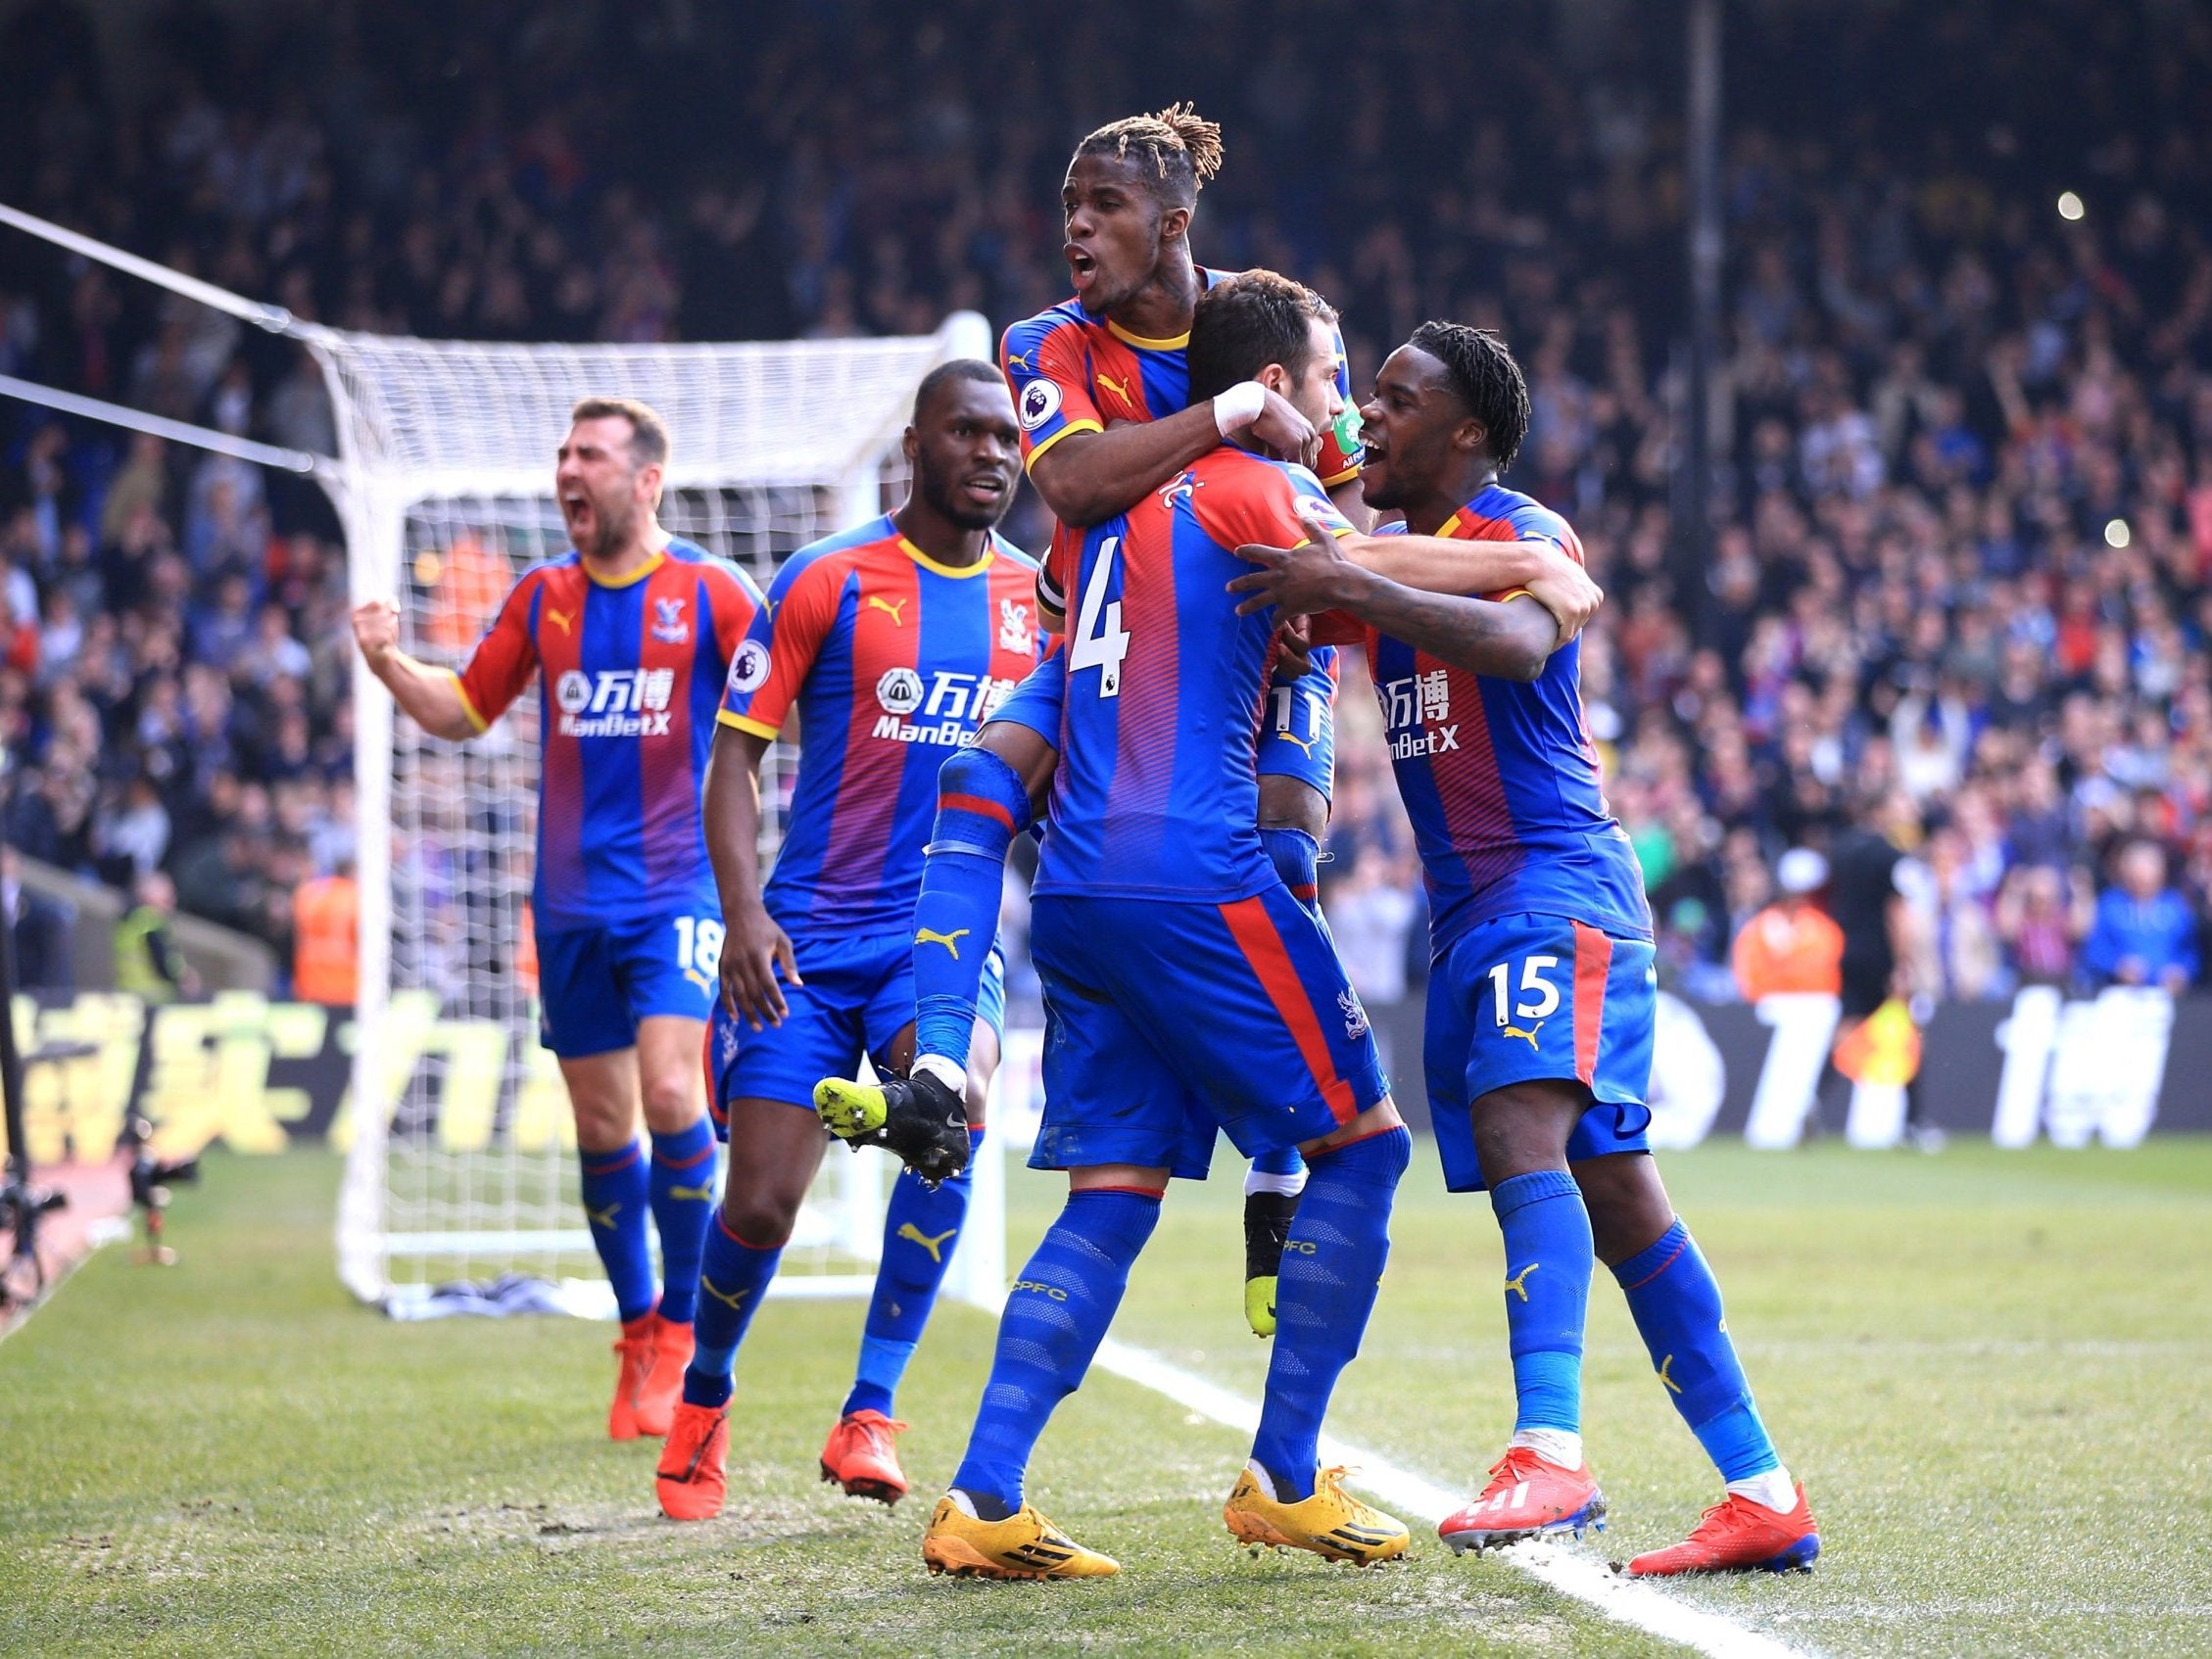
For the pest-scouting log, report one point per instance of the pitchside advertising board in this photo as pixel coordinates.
(261, 1075)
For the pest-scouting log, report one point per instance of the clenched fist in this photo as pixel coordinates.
(377, 630)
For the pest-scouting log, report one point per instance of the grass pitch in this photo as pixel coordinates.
(1993, 1371)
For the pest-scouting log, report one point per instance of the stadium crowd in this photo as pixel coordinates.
(1959, 591)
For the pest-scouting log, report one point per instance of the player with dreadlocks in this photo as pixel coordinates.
(1541, 993)
(1101, 395)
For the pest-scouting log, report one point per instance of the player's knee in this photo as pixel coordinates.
(1025, 755)
(760, 1215)
(1629, 1210)
(602, 1125)
(1524, 1127)
(975, 775)
(1291, 803)
(672, 1103)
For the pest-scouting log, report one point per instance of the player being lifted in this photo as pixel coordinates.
(891, 640)
(1541, 1000)
(1154, 898)
(631, 633)
(1103, 395)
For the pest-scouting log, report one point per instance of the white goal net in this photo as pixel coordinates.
(462, 1162)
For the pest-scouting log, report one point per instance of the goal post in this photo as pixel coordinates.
(461, 1162)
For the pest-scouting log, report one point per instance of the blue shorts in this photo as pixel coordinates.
(1164, 1018)
(858, 995)
(596, 984)
(1524, 999)
(1298, 727)
(1038, 700)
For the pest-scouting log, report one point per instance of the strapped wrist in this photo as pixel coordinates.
(1239, 406)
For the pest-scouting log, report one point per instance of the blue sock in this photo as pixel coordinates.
(683, 1198)
(1297, 858)
(920, 1229)
(615, 1198)
(1056, 1316)
(982, 807)
(1676, 1303)
(1331, 1271)
(733, 1277)
(1548, 1260)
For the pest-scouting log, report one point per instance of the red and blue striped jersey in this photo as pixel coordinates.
(631, 674)
(892, 661)
(1156, 795)
(1501, 778)
(1073, 372)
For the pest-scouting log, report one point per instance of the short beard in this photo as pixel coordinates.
(614, 532)
(941, 503)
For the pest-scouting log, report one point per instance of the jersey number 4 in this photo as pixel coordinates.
(1100, 641)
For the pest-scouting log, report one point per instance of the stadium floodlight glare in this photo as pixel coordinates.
(2069, 207)
(2116, 533)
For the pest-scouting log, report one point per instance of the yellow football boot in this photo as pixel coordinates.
(1332, 1523)
(1024, 1545)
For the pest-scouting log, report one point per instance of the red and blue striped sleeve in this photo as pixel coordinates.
(1047, 361)
(773, 660)
(503, 660)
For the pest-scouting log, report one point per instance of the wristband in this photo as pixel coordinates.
(1239, 406)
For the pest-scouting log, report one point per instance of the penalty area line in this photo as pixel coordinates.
(1625, 1601)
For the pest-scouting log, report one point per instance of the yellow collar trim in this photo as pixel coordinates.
(958, 572)
(1143, 345)
(633, 578)
(1451, 526)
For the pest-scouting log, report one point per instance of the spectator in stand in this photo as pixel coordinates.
(1793, 944)
(42, 929)
(148, 962)
(2043, 915)
(1964, 491)
(2146, 932)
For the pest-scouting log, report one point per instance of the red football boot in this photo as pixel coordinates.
(663, 1386)
(694, 1472)
(1739, 1536)
(861, 1458)
(636, 1349)
(1526, 1497)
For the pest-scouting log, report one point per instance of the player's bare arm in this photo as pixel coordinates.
(1510, 640)
(429, 696)
(1435, 564)
(754, 949)
(1088, 477)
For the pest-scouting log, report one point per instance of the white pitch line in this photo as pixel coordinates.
(1625, 1601)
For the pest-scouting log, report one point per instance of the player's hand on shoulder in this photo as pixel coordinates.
(1310, 578)
(754, 951)
(377, 630)
(1564, 589)
(1285, 432)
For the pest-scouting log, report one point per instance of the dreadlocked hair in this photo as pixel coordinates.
(1485, 378)
(1183, 147)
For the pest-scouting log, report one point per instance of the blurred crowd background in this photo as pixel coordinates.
(1957, 592)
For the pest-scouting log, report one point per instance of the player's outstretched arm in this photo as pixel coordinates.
(429, 696)
(1437, 564)
(1511, 641)
(1088, 477)
(754, 949)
